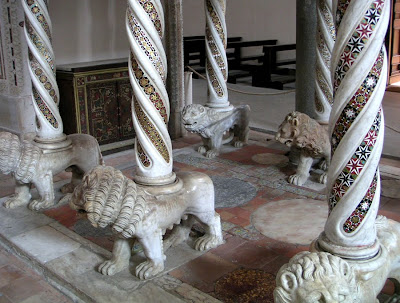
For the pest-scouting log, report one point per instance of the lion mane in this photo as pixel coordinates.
(18, 158)
(300, 131)
(311, 267)
(197, 118)
(110, 198)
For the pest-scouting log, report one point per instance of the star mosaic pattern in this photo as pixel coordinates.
(359, 160)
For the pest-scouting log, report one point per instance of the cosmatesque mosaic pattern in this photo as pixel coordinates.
(142, 155)
(217, 46)
(145, 43)
(359, 160)
(358, 41)
(39, 16)
(151, 132)
(150, 9)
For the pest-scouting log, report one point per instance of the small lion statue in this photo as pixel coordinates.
(300, 131)
(322, 277)
(30, 165)
(110, 198)
(212, 125)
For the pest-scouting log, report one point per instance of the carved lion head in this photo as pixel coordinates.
(109, 198)
(316, 277)
(194, 117)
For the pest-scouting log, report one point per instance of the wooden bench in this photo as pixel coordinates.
(194, 49)
(274, 73)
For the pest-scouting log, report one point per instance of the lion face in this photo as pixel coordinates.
(288, 130)
(194, 117)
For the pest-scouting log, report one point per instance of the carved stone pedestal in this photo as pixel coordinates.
(31, 164)
(217, 127)
(145, 213)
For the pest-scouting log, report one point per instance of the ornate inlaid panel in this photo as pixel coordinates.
(96, 102)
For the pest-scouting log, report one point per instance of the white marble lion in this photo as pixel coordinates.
(110, 198)
(30, 165)
(312, 140)
(212, 124)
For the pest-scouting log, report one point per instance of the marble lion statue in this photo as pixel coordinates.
(300, 131)
(212, 125)
(30, 165)
(109, 198)
(322, 277)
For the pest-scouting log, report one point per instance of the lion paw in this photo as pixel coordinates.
(207, 242)
(238, 144)
(323, 178)
(323, 165)
(148, 269)
(37, 205)
(202, 149)
(111, 267)
(297, 179)
(15, 201)
(212, 153)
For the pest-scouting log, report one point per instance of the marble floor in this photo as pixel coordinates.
(265, 222)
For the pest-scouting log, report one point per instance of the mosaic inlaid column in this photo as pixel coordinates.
(45, 95)
(217, 65)
(359, 72)
(326, 35)
(150, 103)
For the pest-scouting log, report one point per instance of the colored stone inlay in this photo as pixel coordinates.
(43, 79)
(355, 165)
(324, 86)
(151, 11)
(151, 132)
(216, 53)
(214, 81)
(149, 89)
(357, 42)
(144, 159)
(143, 40)
(358, 215)
(341, 9)
(327, 18)
(216, 22)
(44, 108)
(357, 102)
(36, 10)
(39, 44)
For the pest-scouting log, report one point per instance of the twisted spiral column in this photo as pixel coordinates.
(42, 69)
(326, 35)
(150, 103)
(217, 64)
(359, 71)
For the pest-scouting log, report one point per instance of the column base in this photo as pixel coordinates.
(54, 144)
(348, 277)
(158, 181)
(224, 107)
(323, 244)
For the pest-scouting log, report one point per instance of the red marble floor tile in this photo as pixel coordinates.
(244, 154)
(269, 193)
(23, 288)
(9, 273)
(203, 271)
(225, 215)
(251, 255)
(64, 214)
(179, 144)
(240, 221)
(390, 215)
(390, 204)
(274, 266)
(231, 243)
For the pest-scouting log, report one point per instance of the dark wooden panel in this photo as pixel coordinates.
(125, 97)
(103, 111)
